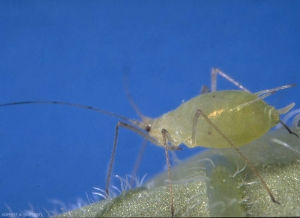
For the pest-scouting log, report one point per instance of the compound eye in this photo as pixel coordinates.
(148, 128)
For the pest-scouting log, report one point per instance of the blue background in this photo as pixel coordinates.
(78, 51)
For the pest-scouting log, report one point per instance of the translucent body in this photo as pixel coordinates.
(227, 110)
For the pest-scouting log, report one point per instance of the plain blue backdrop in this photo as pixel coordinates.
(80, 51)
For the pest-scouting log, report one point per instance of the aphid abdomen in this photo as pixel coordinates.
(241, 123)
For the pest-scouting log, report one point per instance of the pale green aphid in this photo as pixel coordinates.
(240, 124)
(240, 115)
(219, 119)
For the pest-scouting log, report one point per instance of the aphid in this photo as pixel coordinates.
(219, 119)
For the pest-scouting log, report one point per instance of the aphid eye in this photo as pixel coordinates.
(148, 128)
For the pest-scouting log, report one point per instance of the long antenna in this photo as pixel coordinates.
(133, 104)
(135, 122)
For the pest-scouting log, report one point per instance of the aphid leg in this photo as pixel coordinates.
(194, 128)
(288, 129)
(141, 154)
(166, 136)
(132, 128)
(174, 148)
(139, 113)
(253, 101)
(138, 161)
(204, 89)
(275, 89)
(248, 162)
(216, 71)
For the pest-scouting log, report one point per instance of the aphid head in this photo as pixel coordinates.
(145, 124)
